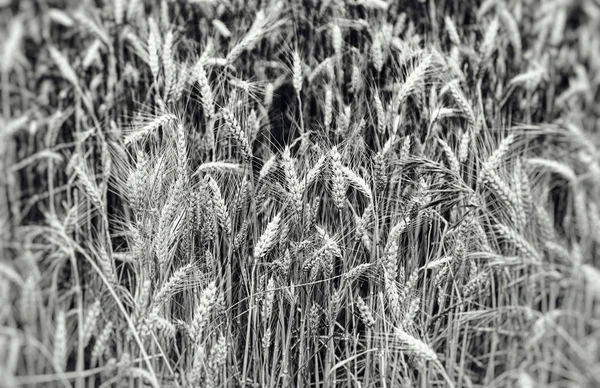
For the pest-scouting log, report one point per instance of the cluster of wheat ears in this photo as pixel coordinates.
(299, 193)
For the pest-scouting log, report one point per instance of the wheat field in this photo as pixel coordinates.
(303, 193)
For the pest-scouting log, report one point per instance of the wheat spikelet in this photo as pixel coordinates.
(531, 78)
(60, 341)
(463, 147)
(328, 108)
(473, 286)
(512, 28)
(557, 167)
(451, 30)
(11, 44)
(453, 162)
(356, 272)
(168, 62)
(464, 105)
(394, 235)
(314, 317)
(173, 285)
(217, 358)
(164, 15)
(326, 64)
(119, 8)
(88, 183)
(88, 24)
(56, 15)
(181, 145)
(592, 280)
(356, 80)
(106, 264)
(380, 114)
(203, 310)
(63, 66)
(485, 7)
(405, 150)
(414, 346)
(524, 380)
(336, 39)
(390, 259)
(335, 302)
(134, 9)
(442, 261)
(411, 312)
(523, 191)
(238, 134)
(28, 301)
(412, 81)
(207, 167)
(330, 248)
(89, 323)
(580, 202)
(338, 180)
(247, 43)
(375, 4)
(219, 205)
(409, 286)
(364, 312)
(267, 167)
(344, 120)
(163, 327)
(558, 27)
(293, 184)
(165, 235)
(501, 189)
(221, 28)
(494, 159)
(154, 42)
(100, 346)
(392, 295)
(542, 324)
(377, 53)
(267, 239)
(545, 224)
(297, 73)
(594, 215)
(267, 302)
(149, 128)
(266, 340)
(314, 171)
(357, 182)
(518, 241)
(380, 171)
(558, 250)
(489, 39)
(206, 94)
